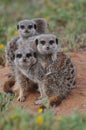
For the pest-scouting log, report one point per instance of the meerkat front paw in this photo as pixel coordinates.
(38, 101)
(41, 101)
(21, 98)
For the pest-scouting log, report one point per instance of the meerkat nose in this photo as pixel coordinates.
(47, 48)
(26, 31)
(24, 60)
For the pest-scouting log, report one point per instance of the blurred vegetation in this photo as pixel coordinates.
(5, 101)
(67, 19)
(16, 118)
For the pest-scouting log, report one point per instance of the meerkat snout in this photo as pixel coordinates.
(24, 60)
(47, 48)
(26, 31)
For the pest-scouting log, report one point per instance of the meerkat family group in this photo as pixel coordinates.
(35, 60)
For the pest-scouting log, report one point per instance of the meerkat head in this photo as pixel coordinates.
(46, 44)
(25, 57)
(26, 28)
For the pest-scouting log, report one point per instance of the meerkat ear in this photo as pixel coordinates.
(35, 26)
(35, 54)
(56, 41)
(41, 25)
(36, 41)
(17, 26)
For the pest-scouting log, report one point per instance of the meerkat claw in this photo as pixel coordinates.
(21, 99)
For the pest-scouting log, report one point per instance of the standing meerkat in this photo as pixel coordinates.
(26, 29)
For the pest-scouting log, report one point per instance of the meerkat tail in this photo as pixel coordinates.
(9, 85)
(55, 100)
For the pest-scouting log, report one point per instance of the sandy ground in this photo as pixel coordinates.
(75, 100)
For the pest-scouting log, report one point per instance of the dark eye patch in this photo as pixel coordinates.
(22, 26)
(51, 42)
(19, 55)
(42, 42)
(28, 55)
(35, 54)
(30, 26)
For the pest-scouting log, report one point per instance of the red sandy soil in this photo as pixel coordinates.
(75, 100)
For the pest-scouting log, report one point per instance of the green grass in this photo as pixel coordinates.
(16, 118)
(5, 101)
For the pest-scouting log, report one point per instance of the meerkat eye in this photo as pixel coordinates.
(22, 26)
(35, 54)
(30, 26)
(19, 55)
(51, 42)
(28, 55)
(42, 42)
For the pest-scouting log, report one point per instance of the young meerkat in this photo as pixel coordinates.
(26, 29)
(26, 65)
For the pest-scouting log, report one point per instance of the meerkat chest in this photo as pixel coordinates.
(45, 61)
(21, 42)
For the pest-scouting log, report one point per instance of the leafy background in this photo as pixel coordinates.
(66, 18)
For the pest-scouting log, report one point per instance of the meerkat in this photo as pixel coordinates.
(61, 72)
(26, 29)
(27, 66)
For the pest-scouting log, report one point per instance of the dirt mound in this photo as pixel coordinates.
(75, 100)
